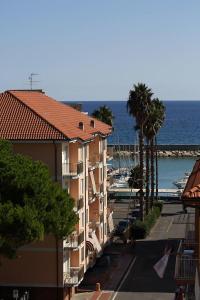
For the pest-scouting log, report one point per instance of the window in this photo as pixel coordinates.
(82, 253)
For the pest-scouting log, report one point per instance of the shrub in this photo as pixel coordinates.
(159, 204)
(142, 229)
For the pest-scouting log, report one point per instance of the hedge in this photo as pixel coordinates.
(142, 228)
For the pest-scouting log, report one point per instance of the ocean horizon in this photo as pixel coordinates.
(181, 126)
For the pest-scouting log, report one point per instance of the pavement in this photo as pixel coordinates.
(128, 273)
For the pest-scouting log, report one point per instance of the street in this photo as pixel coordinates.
(141, 281)
(131, 274)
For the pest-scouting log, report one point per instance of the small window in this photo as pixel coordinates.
(81, 125)
(92, 123)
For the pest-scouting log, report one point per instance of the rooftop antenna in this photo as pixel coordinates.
(31, 81)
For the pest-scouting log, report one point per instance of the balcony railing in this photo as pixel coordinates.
(185, 268)
(72, 169)
(186, 263)
(190, 230)
(74, 240)
(73, 276)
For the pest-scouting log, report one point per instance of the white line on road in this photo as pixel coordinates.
(127, 273)
(170, 224)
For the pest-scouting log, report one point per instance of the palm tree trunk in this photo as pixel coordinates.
(147, 177)
(156, 152)
(141, 179)
(152, 171)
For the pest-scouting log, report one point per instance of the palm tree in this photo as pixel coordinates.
(160, 109)
(138, 106)
(104, 114)
(149, 132)
(154, 123)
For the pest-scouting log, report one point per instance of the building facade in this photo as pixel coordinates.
(188, 254)
(74, 147)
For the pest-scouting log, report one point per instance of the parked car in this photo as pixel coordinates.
(123, 226)
(135, 213)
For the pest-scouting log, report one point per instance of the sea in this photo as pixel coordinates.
(181, 127)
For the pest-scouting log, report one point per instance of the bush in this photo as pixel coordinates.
(142, 229)
(159, 204)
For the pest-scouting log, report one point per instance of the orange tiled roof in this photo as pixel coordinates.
(192, 188)
(33, 115)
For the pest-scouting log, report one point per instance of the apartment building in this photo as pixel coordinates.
(188, 254)
(74, 147)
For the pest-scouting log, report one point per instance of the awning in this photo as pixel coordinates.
(90, 245)
(93, 182)
(96, 242)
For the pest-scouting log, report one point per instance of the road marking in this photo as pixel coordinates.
(127, 273)
(170, 224)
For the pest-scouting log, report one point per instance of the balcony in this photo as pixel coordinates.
(190, 230)
(185, 270)
(186, 264)
(74, 240)
(73, 276)
(72, 169)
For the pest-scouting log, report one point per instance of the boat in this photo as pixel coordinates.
(180, 183)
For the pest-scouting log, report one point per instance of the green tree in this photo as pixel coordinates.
(31, 205)
(138, 107)
(133, 180)
(104, 114)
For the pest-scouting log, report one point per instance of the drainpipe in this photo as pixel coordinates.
(57, 244)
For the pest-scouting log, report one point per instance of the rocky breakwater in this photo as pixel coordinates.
(179, 153)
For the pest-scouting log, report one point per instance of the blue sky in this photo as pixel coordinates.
(89, 49)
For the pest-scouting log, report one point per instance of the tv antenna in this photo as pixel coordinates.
(31, 81)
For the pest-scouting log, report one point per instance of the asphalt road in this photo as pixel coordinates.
(141, 281)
